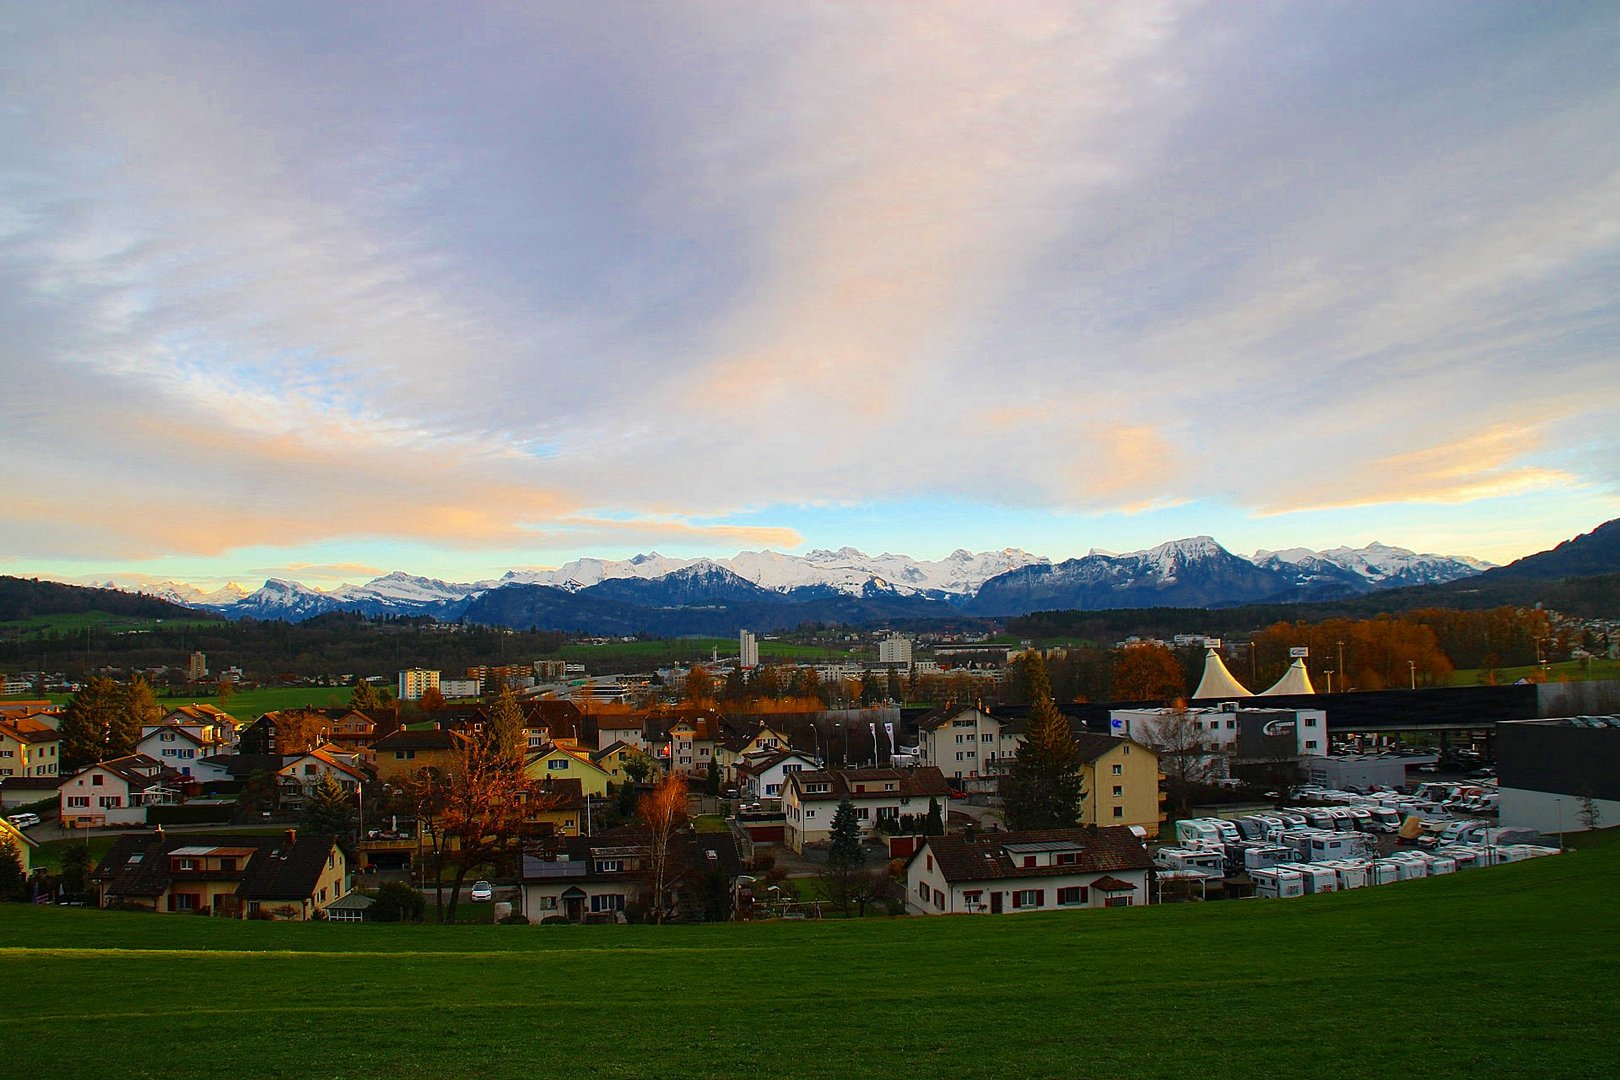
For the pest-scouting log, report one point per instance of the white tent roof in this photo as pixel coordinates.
(1217, 681)
(1296, 680)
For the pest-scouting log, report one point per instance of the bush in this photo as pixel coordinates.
(515, 919)
(397, 902)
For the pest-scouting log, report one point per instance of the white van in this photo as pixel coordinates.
(23, 820)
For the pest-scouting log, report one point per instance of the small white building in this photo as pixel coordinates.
(115, 792)
(811, 798)
(762, 776)
(1018, 872)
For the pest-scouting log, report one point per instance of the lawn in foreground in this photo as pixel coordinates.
(1492, 972)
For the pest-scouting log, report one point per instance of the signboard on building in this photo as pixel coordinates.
(1299, 652)
(1267, 735)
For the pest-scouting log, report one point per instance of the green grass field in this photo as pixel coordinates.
(96, 620)
(1499, 972)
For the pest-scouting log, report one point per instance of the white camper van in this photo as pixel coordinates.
(1278, 883)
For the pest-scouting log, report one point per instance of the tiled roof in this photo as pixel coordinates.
(923, 782)
(566, 793)
(984, 858)
(404, 739)
(29, 731)
(578, 856)
(137, 865)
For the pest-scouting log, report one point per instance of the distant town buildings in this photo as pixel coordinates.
(414, 682)
(895, 650)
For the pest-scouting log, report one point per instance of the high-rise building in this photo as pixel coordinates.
(414, 682)
(197, 667)
(894, 649)
(748, 650)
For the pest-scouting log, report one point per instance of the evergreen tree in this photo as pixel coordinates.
(935, 825)
(1042, 788)
(364, 695)
(506, 735)
(711, 780)
(328, 810)
(140, 707)
(13, 879)
(844, 852)
(88, 722)
(76, 866)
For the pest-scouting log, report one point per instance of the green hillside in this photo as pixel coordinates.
(1507, 971)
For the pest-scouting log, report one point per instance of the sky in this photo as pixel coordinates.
(322, 291)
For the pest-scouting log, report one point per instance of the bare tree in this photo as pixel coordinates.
(663, 811)
(1186, 757)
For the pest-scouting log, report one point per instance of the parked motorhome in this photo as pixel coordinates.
(1193, 832)
(1278, 883)
(1203, 859)
(1351, 874)
(1318, 879)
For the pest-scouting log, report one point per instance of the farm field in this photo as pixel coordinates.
(1356, 984)
(1568, 670)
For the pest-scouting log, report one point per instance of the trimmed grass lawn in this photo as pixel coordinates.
(1500, 972)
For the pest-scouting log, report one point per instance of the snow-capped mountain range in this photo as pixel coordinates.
(848, 584)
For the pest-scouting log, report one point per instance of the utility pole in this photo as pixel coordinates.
(1341, 666)
(1412, 666)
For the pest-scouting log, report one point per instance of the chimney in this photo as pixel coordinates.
(292, 837)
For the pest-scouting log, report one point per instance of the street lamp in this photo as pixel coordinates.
(1412, 666)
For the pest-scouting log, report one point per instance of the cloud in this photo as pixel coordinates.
(493, 280)
(1477, 466)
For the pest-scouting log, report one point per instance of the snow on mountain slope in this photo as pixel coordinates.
(1383, 566)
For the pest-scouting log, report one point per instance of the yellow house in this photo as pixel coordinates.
(1121, 778)
(28, 747)
(564, 807)
(402, 754)
(25, 846)
(612, 759)
(557, 763)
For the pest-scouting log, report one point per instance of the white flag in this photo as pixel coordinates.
(888, 727)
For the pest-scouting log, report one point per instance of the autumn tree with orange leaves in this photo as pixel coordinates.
(479, 812)
(1148, 672)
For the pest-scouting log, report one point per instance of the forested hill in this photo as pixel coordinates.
(31, 598)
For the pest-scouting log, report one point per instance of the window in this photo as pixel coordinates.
(809, 813)
(1029, 898)
(548, 903)
(939, 899)
(971, 897)
(608, 902)
(1119, 811)
(922, 889)
(1072, 897)
(609, 866)
(1119, 770)
(558, 764)
(1231, 725)
(1119, 791)
(1117, 901)
(97, 780)
(987, 737)
(183, 901)
(227, 864)
(1310, 721)
(188, 864)
(863, 813)
(773, 789)
(1067, 858)
(78, 800)
(111, 802)
(1029, 860)
(1310, 744)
